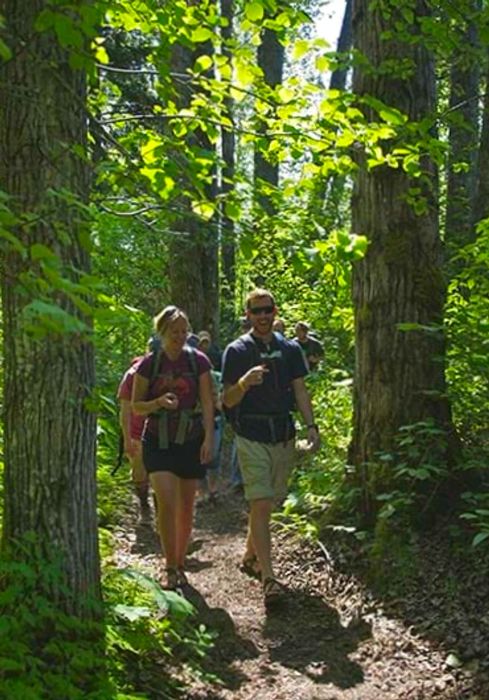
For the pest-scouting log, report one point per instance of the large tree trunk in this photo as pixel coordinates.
(193, 255)
(271, 61)
(49, 432)
(463, 139)
(399, 375)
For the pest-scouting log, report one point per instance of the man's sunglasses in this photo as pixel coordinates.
(257, 310)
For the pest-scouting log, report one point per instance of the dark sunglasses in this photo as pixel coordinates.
(257, 310)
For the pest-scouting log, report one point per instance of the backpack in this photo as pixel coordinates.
(186, 422)
(188, 418)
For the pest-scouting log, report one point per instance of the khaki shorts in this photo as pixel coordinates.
(265, 468)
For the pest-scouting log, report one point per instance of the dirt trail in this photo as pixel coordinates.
(333, 641)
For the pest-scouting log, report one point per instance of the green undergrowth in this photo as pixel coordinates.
(141, 642)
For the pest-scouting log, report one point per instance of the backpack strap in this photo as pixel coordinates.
(187, 416)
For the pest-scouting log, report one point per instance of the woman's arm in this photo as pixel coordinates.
(125, 423)
(207, 406)
(139, 392)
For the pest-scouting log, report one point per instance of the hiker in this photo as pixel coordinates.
(279, 326)
(132, 429)
(258, 370)
(209, 485)
(211, 350)
(177, 439)
(310, 346)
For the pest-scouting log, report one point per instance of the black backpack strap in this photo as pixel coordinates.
(192, 360)
(155, 365)
(186, 416)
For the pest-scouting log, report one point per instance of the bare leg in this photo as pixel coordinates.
(139, 474)
(259, 534)
(165, 486)
(185, 517)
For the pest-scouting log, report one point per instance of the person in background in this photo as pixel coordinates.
(132, 430)
(211, 350)
(177, 439)
(259, 370)
(279, 326)
(311, 347)
(209, 485)
(192, 338)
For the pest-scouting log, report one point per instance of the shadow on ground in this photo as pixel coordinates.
(307, 636)
(229, 646)
(440, 591)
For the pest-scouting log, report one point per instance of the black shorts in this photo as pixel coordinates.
(181, 460)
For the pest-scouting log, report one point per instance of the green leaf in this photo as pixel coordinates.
(5, 51)
(39, 251)
(203, 63)
(480, 537)
(166, 600)
(67, 33)
(254, 11)
(201, 35)
(301, 47)
(203, 209)
(392, 116)
(101, 55)
(132, 612)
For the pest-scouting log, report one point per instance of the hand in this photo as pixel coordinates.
(313, 439)
(207, 449)
(169, 400)
(255, 376)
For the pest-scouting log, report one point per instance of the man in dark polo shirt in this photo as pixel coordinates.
(259, 370)
(311, 347)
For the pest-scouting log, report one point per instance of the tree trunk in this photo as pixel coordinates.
(271, 61)
(49, 433)
(399, 375)
(193, 255)
(463, 139)
(481, 207)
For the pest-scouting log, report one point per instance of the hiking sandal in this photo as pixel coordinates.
(172, 578)
(249, 566)
(273, 593)
(182, 577)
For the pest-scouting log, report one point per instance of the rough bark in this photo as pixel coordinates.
(49, 434)
(193, 267)
(399, 375)
(463, 138)
(271, 61)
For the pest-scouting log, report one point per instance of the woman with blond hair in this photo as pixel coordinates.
(177, 439)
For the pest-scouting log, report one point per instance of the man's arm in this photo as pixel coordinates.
(233, 393)
(303, 401)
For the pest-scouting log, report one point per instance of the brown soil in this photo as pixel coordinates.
(334, 640)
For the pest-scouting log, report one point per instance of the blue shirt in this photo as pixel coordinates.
(263, 414)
